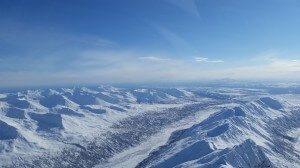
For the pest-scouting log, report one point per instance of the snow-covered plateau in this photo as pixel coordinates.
(105, 126)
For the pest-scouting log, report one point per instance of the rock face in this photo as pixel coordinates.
(47, 121)
(14, 101)
(195, 151)
(246, 155)
(274, 104)
(7, 132)
(67, 111)
(15, 113)
(52, 101)
(218, 130)
(93, 110)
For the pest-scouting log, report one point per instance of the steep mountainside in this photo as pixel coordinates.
(149, 127)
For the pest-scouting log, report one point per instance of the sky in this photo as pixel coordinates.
(55, 42)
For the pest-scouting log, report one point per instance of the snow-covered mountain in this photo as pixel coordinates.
(150, 127)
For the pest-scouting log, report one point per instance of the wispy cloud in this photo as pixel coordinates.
(285, 65)
(34, 41)
(128, 66)
(274, 68)
(173, 38)
(189, 6)
(64, 59)
(152, 58)
(203, 59)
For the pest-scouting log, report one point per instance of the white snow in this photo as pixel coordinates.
(226, 131)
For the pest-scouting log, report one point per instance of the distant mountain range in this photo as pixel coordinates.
(105, 126)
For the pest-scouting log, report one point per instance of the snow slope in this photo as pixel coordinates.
(149, 127)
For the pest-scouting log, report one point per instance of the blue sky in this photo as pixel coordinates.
(100, 41)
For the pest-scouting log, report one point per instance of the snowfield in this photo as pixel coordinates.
(150, 127)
